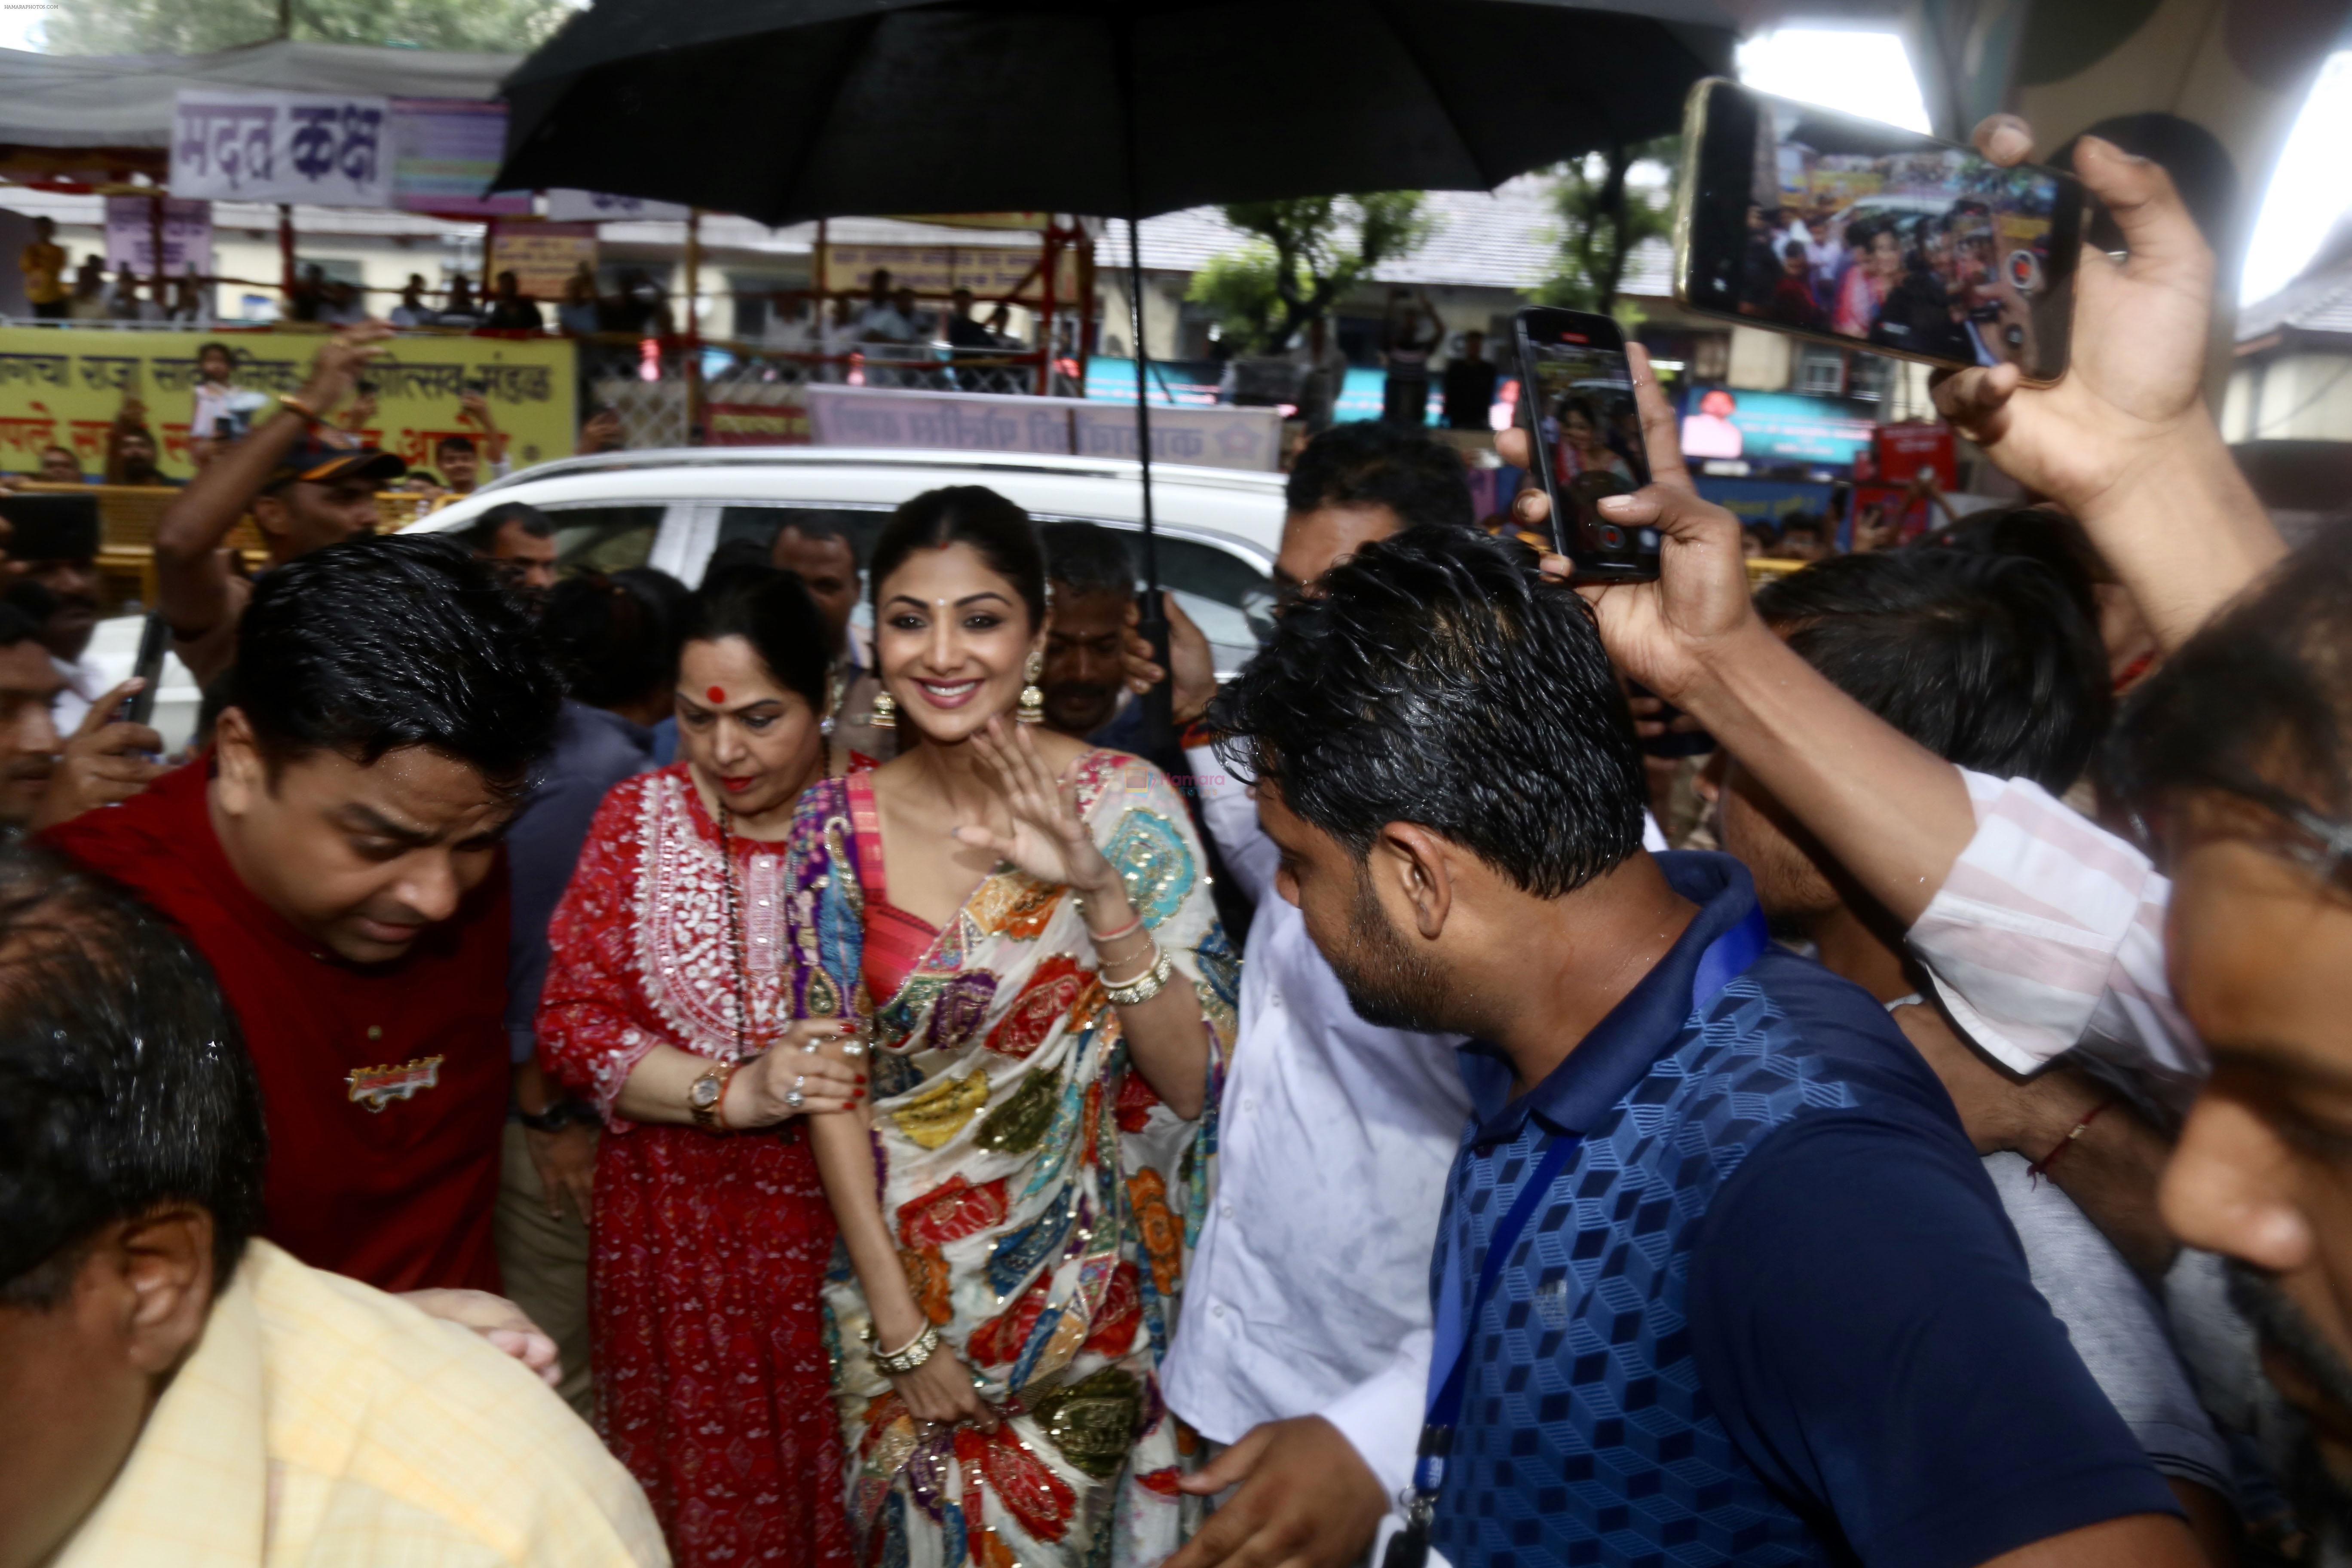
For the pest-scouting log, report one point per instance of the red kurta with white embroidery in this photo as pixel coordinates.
(713, 1384)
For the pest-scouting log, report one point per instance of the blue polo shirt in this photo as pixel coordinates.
(1772, 1312)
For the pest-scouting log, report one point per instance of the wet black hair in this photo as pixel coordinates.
(1368, 463)
(613, 641)
(2257, 705)
(774, 613)
(1083, 558)
(124, 1082)
(1440, 680)
(2041, 534)
(817, 525)
(734, 558)
(973, 515)
(385, 642)
(1986, 661)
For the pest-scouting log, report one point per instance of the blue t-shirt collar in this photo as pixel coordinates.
(1643, 1024)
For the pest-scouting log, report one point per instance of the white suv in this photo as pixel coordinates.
(1218, 530)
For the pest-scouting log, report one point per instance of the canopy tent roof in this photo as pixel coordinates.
(122, 103)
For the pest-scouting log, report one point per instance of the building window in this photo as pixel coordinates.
(1821, 372)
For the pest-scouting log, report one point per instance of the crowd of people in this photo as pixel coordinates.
(915, 1123)
(1943, 282)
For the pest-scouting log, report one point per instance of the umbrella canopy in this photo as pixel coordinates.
(789, 110)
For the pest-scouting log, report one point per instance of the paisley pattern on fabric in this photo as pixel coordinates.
(1015, 1142)
(1155, 860)
(931, 1116)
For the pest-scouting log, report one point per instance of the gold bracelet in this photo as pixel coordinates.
(310, 415)
(1147, 945)
(1148, 957)
(1144, 987)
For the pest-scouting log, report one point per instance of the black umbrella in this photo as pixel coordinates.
(784, 110)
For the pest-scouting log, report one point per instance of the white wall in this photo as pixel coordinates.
(2290, 397)
(1760, 360)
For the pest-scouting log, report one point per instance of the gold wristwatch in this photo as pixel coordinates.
(705, 1095)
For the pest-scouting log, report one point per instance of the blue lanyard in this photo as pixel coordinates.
(1725, 960)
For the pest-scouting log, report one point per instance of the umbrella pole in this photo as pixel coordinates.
(1158, 703)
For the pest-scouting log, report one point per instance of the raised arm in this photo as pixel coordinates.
(190, 579)
(1894, 813)
(2124, 440)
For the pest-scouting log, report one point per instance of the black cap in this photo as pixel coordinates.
(322, 463)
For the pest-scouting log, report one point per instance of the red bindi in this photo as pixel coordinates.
(717, 694)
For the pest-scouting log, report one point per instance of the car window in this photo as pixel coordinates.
(761, 524)
(603, 538)
(1227, 598)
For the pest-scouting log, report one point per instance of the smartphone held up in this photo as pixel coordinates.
(1805, 221)
(1587, 438)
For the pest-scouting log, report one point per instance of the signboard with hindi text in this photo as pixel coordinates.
(251, 145)
(542, 255)
(130, 228)
(65, 388)
(1247, 438)
(990, 271)
(565, 205)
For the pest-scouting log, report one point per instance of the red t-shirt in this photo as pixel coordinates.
(384, 1084)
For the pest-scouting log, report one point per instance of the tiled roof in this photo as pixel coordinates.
(2316, 302)
(1498, 239)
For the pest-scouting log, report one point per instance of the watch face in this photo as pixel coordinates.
(704, 1093)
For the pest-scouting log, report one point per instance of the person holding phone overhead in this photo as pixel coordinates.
(1019, 925)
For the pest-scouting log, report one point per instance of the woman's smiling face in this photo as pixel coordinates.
(952, 638)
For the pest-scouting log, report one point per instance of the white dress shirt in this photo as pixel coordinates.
(2048, 936)
(1309, 1289)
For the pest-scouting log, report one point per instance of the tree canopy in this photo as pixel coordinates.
(200, 27)
(1304, 256)
(1602, 218)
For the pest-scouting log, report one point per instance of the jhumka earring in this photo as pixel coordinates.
(1032, 701)
(884, 712)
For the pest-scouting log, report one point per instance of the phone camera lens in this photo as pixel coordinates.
(1612, 538)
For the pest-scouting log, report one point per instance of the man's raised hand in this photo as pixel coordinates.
(1662, 633)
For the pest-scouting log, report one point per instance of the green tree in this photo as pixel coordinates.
(1303, 257)
(1602, 218)
(199, 26)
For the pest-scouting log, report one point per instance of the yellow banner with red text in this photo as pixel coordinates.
(64, 387)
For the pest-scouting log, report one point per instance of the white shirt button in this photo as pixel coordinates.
(1216, 1309)
(1225, 1209)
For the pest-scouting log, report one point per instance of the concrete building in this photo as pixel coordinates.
(2287, 414)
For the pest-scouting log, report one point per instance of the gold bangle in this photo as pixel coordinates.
(1148, 957)
(310, 415)
(1143, 988)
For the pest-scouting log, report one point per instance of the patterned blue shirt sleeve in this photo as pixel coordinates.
(1863, 1319)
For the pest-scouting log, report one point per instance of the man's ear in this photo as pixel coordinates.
(240, 771)
(1409, 862)
(154, 1281)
